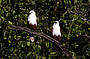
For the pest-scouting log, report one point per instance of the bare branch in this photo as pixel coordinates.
(65, 51)
(86, 4)
(85, 36)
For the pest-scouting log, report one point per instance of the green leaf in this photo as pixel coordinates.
(53, 53)
(9, 41)
(28, 43)
(9, 22)
(88, 28)
(29, 53)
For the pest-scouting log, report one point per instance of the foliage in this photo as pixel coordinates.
(74, 20)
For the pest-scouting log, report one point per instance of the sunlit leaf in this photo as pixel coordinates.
(28, 43)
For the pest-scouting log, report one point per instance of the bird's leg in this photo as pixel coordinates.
(35, 27)
(59, 38)
(30, 26)
(54, 37)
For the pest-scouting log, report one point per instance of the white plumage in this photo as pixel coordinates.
(32, 18)
(56, 29)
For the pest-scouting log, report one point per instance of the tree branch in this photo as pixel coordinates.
(86, 4)
(65, 51)
(85, 36)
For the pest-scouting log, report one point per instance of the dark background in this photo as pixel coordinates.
(74, 17)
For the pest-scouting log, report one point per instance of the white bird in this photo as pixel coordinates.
(56, 31)
(32, 20)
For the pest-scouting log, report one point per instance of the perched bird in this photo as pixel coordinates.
(56, 31)
(32, 20)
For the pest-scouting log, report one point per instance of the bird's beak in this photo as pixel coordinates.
(30, 12)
